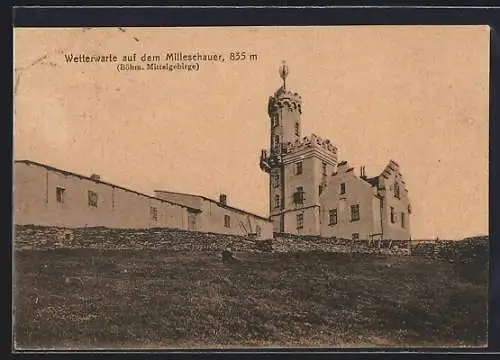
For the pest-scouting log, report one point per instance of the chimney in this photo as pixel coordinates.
(95, 177)
(363, 173)
(223, 199)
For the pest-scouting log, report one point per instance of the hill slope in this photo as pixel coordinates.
(89, 298)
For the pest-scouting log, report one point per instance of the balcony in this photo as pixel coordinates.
(269, 160)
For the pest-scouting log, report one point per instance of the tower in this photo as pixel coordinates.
(298, 167)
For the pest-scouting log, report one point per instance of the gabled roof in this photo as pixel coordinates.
(216, 202)
(374, 181)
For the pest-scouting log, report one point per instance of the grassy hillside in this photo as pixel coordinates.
(89, 298)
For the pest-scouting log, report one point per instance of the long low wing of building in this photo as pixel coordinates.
(219, 217)
(47, 196)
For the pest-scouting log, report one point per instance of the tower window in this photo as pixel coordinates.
(298, 196)
(300, 221)
(355, 212)
(297, 129)
(275, 120)
(276, 180)
(227, 221)
(153, 212)
(393, 215)
(60, 194)
(333, 217)
(92, 198)
(342, 188)
(277, 201)
(298, 168)
(403, 225)
(276, 140)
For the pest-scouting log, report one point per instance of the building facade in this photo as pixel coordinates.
(47, 196)
(219, 217)
(310, 193)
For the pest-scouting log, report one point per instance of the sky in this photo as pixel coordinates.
(416, 94)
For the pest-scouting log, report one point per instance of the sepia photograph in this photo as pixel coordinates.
(250, 187)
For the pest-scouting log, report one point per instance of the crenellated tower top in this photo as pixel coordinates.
(283, 97)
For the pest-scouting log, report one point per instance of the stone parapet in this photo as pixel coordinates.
(312, 141)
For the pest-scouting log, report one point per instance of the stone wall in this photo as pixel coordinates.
(39, 237)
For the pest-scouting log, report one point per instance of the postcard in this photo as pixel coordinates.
(250, 187)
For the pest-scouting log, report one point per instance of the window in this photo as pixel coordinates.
(93, 198)
(276, 140)
(298, 168)
(276, 180)
(320, 189)
(298, 196)
(297, 129)
(355, 212)
(403, 220)
(276, 120)
(393, 215)
(227, 221)
(277, 201)
(355, 236)
(324, 169)
(397, 194)
(60, 194)
(153, 212)
(342, 188)
(258, 230)
(333, 217)
(300, 221)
